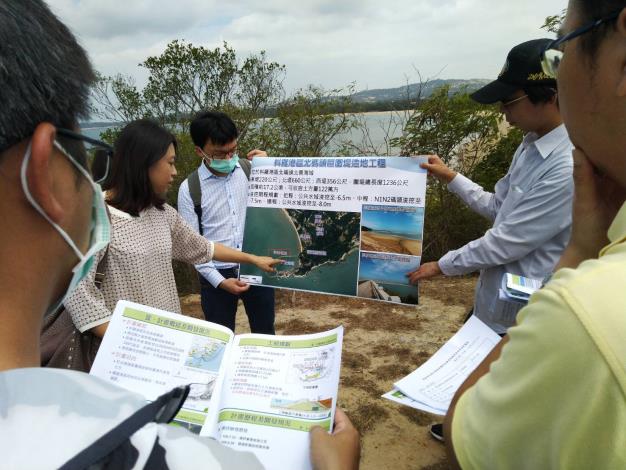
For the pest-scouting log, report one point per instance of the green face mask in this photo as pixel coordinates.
(222, 165)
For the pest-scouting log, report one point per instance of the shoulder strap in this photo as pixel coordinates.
(99, 278)
(195, 191)
(162, 410)
(246, 166)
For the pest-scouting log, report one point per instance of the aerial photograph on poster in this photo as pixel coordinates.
(319, 249)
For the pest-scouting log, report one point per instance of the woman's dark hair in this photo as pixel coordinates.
(140, 145)
(214, 126)
(540, 94)
(591, 10)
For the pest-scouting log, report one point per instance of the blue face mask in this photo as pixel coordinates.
(100, 226)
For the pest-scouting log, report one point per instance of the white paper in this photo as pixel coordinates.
(435, 382)
(282, 182)
(150, 351)
(397, 396)
(275, 389)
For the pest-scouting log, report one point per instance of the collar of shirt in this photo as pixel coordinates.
(548, 143)
(617, 231)
(126, 215)
(122, 214)
(205, 173)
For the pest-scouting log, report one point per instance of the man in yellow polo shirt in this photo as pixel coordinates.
(552, 394)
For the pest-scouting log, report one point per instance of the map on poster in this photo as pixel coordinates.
(344, 226)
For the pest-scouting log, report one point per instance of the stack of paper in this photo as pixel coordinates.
(432, 386)
(518, 288)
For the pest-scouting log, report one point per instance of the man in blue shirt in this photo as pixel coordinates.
(220, 216)
(531, 205)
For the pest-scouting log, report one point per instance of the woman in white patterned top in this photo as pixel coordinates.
(147, 234)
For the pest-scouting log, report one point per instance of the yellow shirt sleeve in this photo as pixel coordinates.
(550, 401)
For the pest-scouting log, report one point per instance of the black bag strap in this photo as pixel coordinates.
(99, 277)
(162, 410)
(195, 190)
(246, 166)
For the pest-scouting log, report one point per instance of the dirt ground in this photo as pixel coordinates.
(382, 344)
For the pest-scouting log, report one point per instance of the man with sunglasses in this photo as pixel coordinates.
(553, 393)
(53, 223)
(531, 205)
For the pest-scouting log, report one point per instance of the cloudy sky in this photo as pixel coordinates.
(329, 43)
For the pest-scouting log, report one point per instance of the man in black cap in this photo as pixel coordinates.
(531, 205)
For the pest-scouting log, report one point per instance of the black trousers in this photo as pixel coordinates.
(220, 306)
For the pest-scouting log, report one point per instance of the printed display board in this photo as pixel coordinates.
(343, 226)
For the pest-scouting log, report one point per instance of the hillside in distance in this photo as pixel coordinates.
(382, 99)
(400, 93)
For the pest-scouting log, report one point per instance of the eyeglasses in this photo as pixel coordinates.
(220, 154)
(99, 154)
(552, 54)
(515, 100)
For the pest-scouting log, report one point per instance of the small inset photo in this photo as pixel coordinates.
(383, 276)
(392, 229)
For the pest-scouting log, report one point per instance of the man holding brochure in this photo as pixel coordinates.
(553, 394)
(531, 206)
(56, 223)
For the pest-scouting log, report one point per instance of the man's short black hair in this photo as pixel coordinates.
(591, 10)
(140, 145)
(540, 94)
(214, 126)
(45, 76)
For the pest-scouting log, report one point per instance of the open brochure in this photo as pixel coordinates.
(257, 393)
(432, 386)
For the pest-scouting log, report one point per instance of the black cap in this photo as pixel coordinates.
(521, 70)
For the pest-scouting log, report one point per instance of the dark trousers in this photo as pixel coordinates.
(220, 306)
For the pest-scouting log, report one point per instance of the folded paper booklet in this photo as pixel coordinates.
(518, 288)
(257, 393)
(432, 386)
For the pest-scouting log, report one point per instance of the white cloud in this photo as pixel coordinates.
(320, 41)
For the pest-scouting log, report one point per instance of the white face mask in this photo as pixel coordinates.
(100, 226)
